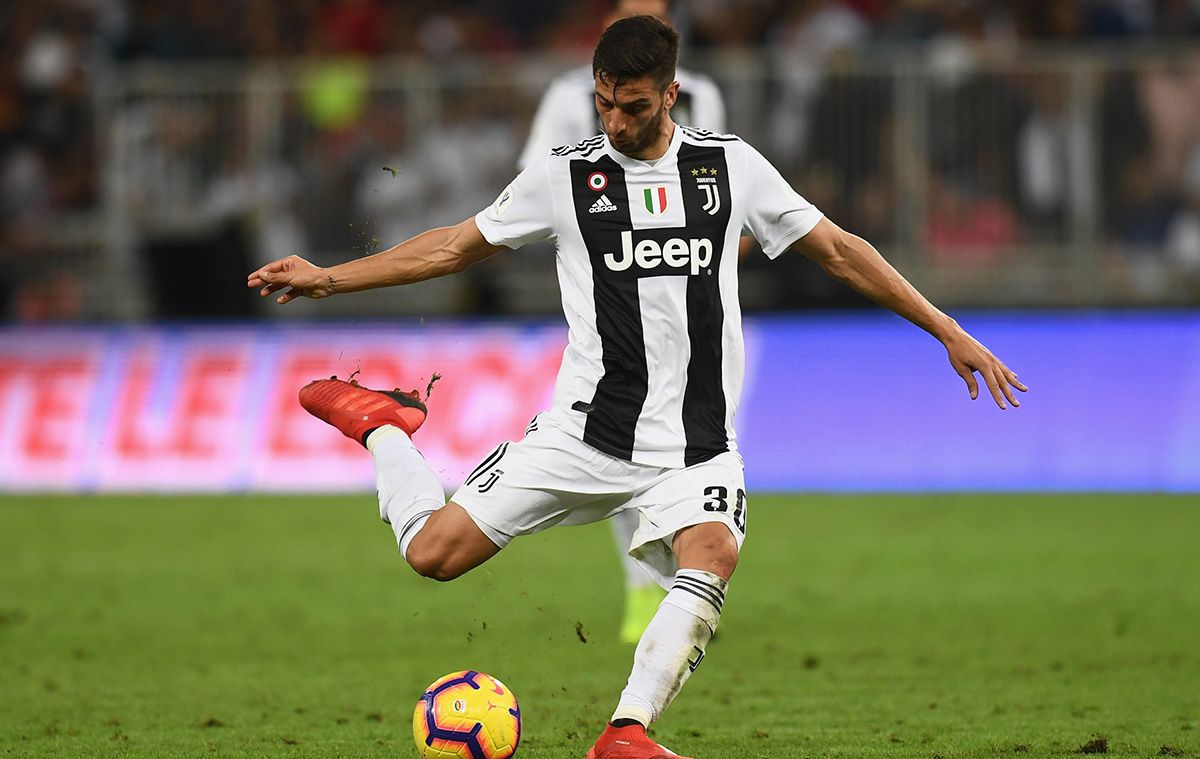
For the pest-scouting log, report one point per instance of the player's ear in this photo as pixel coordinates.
(671, 95)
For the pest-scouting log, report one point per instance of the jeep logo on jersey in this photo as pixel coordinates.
(675, 253)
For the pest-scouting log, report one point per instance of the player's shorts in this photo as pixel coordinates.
(551, 478)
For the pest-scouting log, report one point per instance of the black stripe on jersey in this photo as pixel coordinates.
(706, 204)
(704, 134)
(582, 145)
(492, 460)
(621, 392)
(563, 149)
(587, 153)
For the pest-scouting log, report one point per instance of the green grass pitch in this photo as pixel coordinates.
(869, 626)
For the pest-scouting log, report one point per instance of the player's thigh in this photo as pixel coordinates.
(695, 515)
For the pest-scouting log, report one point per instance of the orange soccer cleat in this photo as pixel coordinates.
(356, 410)
(628, 743)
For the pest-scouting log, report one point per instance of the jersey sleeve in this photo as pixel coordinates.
(776, 214)
(523, 213)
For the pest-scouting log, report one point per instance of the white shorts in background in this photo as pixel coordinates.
(551, 478)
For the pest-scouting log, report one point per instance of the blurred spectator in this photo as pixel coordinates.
(804, 39)
(248, 160)
(1170, 97)
(391, 193)
(731, 23)
(1183, 232)
(1176, 18)
(1145, 209)
(1045, 156)
(967, 228)
(354, 26)
(850, 149)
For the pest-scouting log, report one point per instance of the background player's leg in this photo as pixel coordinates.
(642, 593)
(674, 642)
(438, 540)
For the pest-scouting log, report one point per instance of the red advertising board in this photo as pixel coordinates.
(215, 409)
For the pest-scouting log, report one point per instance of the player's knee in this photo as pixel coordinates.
(709, 547)
(723, 560)
(449, 545)
(429, 560)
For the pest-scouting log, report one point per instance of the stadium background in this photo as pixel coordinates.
(1033, 166)
(1036, 157)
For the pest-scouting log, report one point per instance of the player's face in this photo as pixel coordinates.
(634, 115)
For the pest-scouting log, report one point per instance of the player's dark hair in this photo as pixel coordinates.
(636, 47)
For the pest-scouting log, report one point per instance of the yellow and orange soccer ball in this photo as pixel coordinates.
(467, 715)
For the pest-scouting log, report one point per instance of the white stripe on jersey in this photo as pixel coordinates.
(661, 422)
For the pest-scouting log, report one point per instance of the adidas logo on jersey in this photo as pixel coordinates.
(602, 205)
(677, 253)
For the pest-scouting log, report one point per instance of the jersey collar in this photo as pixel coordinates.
(633, 164)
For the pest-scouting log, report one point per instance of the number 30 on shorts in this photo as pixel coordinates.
(718, 500)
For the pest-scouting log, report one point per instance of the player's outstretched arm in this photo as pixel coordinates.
(855, 261)
(435, 253)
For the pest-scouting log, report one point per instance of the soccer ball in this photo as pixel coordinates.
(467, 715)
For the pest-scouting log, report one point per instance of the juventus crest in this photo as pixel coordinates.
(706, 182)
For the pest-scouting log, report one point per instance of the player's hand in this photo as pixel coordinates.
(968, 356)
(293, 272)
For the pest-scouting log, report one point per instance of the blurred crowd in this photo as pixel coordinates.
(1005, 169)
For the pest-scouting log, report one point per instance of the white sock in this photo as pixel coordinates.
(624, 524)
(673, 645)
(409, 491)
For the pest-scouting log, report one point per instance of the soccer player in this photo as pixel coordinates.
(646, 219)
(566, 115)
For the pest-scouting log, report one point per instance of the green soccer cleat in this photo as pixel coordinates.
(640, 605)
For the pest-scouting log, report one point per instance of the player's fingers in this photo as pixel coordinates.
(968, 377)
(261, 272)
(271, 289)
(287, 297)
(261, 278)
(1011, 376)
(270, 272)
(1006, 388)
(990, 378)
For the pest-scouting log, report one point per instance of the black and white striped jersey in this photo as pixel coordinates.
(567, 110)
(647, 265)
